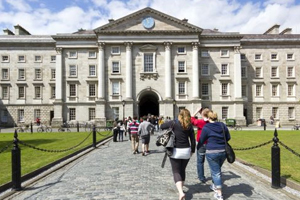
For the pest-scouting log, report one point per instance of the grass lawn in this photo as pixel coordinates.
(290, 163)
(32, 159)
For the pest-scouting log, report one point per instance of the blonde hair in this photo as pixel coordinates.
(204, 112)
(184, 118)
(213, 116)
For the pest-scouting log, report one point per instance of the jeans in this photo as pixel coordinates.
(200, 162)
(121, 135)
(215, 162)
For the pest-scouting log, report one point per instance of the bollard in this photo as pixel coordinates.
(77, 126)
(94, 136)
(265, 125)
(16, 164)
(31, 128)
(275, 156)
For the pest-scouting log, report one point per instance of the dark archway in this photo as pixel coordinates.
(148, 104)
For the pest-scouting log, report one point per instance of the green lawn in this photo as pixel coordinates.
(290, 163)
(32, 159)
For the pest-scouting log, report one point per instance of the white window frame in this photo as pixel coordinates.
(275, 112)
(184, 66)
(94, 71)
(115, 48)
(293, 72)
(5, 92)
(113, 92)
(275, 88)
(181, 90)
(38, 76)
(72, 90)
(225, 113)
(92, 90)
(179, 47)
(222, 55)
(227, 89)
(276, 70)
(4, 116)
(37, 114)
(245, 68)
(274, 54)
(204, 53)
(38, 92)
(4, 60)
(287, 56)
(21, 60)
(202, 69)
(244, 90)
(291, 113)
(227, 69)
(5, 75)
(260, 57)
(53, 74)
(119, 66)
(52, 92)
(20, 77)
(208, 90)
(92, 114)
(290, 91)
(38, 58)
(21, 115)
(261, 90)
(261, 72)
(259, 114)
(92, 56)
(72, 114)
(53, 60)
(116, 112)
(153, 62)
(19, 92)
(71, 71)
(73, 54)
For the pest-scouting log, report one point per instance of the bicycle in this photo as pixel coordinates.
(296, 127)
(64, 128)
(44, 128)
(22, 129)
(235, 127)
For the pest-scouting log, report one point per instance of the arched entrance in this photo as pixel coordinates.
(148, 103)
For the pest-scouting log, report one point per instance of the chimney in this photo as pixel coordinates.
(215, 29)
(19, 30)
(8, 32)
(286, 31)
(185, 20)
(273, 30)
(111, 20)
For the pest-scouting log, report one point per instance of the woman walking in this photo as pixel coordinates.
(183, 148)
(213, 133)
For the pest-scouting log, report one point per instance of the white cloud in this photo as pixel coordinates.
(19, 5)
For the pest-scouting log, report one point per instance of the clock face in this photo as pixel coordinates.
(148, 22)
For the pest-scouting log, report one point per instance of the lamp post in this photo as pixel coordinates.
(123, 104)
(174, 104)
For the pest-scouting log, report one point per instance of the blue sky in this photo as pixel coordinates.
(67, 16)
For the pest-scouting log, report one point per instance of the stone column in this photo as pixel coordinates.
(128, 70)
(195, 70)
(168, 71)
(101, 72)
(237, 73)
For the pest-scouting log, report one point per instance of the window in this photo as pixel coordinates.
(53, 58)
(204, 53)
(275, 112)
(4, 116)
(92, 90)
(258, 112)
(115, 50)
(5, 74)
(224, 112)
(224, 69)
(53, 92)
(290, 56)
(5, 58)
(243, 56)
(258, 72)
(291, 90)
(258, 57)
(275, 92)
(224, 89)
(72, 90)
(148, 62)
(37, 58)
(53, 73)
(205, 69)
(115, 88)
(290, 71)
(291, 112)
(72, 115)
(181, 88)
(5, 92)
(181, 50)
(92, 70)
(116, 67)
(37, 114)
(92, 114)
(73, 70)
(181, 66)
(21, 92)
(205, 89)
(244, 72)
(115, 112)
(244, 90)
(37, 92)
(274, 72)
(72, 54)
(274, 56)
(21, 74)
(224, 53)
(21, 58)
(38, 74)
(258, 90)
(21, 115)
(92, 54)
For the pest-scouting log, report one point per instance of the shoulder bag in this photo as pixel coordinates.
(230, 155)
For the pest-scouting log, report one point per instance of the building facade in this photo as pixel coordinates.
(148, 62)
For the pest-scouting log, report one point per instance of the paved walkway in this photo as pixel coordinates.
(113, 172)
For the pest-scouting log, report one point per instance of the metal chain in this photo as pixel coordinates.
(53, 151)
(289, 149)
(4, 149)
(254, 147)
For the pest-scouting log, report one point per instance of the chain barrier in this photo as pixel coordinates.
(254, 147)
(289, 149)
(5, 148)
(53, 151)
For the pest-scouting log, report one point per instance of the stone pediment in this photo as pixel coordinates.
(133, 23)
(148, 47)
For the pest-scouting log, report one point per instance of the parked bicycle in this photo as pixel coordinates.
(44, 128)
(296, 127)
(231, 123)
(64, 128)
(23, 128)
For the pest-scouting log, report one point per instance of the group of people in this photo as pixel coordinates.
(210, 144)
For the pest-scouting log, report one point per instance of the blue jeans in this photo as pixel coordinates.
(215, 162)
(200, 162)
(121, 135)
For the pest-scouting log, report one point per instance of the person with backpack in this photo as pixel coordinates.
(144, 131)
(134, 127)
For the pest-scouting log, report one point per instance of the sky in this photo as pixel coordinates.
(49, 17)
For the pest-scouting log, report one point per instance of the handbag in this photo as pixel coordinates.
(230, 155)
(163, 139)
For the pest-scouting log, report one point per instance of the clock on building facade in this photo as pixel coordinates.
(148, 22)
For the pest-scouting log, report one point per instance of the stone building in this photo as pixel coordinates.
(148, 62)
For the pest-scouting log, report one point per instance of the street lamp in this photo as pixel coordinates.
(123, 104)
(174, 104)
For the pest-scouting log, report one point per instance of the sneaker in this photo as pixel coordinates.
(137, 151)
(133, 152)
(213, 188)
(143, 154)
(217, 196)
(203, 181)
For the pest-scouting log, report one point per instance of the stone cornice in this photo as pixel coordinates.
(149, 32)
(75, 36)
(220, 36)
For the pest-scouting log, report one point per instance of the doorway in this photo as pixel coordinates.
(148, 104)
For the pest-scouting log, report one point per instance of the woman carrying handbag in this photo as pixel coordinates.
(183, 149)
